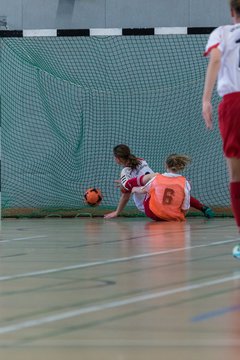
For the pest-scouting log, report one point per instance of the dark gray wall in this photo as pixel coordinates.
(51, 14)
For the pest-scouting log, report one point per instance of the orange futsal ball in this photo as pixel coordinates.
(93, 197)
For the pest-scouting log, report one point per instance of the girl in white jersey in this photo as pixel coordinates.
(224, 49)
(134, 167)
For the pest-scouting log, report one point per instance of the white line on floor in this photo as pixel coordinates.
(111, 305)
(23, 238)
(111, 261)
(220, 342)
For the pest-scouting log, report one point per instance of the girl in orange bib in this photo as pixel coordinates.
(168, 194)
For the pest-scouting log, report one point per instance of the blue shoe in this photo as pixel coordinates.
(208, 213)
(236, 251)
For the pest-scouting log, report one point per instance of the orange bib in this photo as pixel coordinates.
(166, 197)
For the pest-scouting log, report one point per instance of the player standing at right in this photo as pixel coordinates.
(224, 49)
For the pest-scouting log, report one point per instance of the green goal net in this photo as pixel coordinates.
(66, 102)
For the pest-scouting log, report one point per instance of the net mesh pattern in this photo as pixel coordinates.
(66, 102)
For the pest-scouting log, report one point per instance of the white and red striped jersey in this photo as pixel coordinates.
(128, 173)
(227, 40)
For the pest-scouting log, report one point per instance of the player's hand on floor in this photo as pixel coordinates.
(111, 215)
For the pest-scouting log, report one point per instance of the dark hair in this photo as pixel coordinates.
(177, 162)
(123, 153)
(235, 5)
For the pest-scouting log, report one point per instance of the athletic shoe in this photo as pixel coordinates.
(208, 213)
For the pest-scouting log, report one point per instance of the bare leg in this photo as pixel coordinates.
(234, 173)
(234, 169)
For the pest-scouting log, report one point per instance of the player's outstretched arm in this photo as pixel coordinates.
(210, 80)
(145, 180)
(122, 203)
(148, 177)
(138, 190)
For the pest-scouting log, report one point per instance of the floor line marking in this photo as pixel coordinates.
(110, 261)
(111, 305)
(222, 342)
(23, 238)
(215, 313)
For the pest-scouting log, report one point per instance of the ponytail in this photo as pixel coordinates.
(123, 153)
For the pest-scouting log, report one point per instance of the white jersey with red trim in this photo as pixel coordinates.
(227, 40)
(128, 173)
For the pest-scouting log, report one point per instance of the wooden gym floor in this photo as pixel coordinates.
(124, 289)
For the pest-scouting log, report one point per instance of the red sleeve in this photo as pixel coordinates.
(207, 52)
